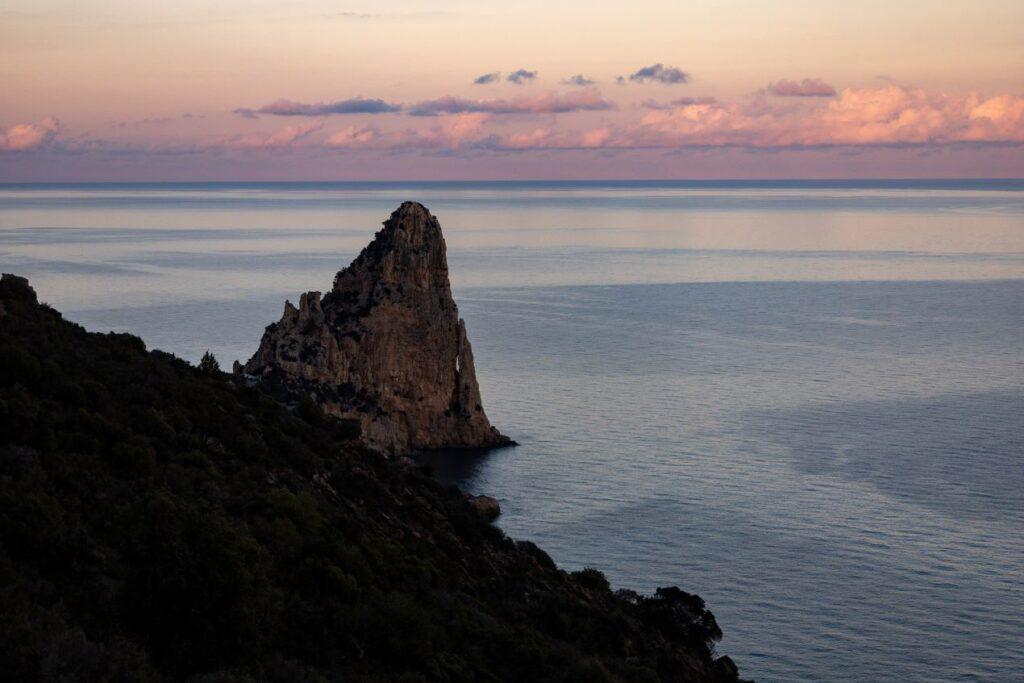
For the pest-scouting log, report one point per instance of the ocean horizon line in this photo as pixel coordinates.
(997, 183)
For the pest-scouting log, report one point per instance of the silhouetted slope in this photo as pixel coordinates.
(158, 522)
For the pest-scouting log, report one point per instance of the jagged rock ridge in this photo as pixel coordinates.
(385, 347)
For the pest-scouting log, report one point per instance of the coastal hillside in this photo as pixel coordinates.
(164, 522)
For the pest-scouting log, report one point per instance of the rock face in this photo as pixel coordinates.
(385, 347)
(487, 506)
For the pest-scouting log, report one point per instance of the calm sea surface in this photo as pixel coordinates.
(803, 401)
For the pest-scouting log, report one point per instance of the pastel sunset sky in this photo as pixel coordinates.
(387, 90)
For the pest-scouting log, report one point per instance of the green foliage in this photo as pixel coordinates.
(160, 523)
(208, 363)
(592, 580)
(682, 614)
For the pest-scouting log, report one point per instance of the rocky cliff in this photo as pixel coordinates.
(385, 347)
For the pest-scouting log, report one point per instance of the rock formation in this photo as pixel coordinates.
(385, 347)
(488, 507)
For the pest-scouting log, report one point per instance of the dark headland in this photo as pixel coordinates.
(160, 521)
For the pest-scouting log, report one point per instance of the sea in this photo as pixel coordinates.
(803, 401)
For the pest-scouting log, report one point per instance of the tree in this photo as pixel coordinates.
(209, 364)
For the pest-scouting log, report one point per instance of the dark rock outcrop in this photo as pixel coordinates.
(385, 347)
(488, 507)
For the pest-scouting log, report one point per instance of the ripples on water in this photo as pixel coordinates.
(802, 402)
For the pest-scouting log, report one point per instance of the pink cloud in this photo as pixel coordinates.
(889, 115)
(536, 138)
(996, 118)
(353, 137)
(597, 137)
(450, 132)
(809, 87)
(897, 114)
(708, 123)
(285, 137)
(27, 136)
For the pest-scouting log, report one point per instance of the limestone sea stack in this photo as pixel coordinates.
(385, 347)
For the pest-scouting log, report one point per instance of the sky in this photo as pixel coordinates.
(118, 90)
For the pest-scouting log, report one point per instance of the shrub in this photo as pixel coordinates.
(592, 580)
(208, 364)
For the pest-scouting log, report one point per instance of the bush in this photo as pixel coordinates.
(208, 364)
(592, 580)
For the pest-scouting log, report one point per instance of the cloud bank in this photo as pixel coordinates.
(547, 103)
(354, 105)
(353, 137)
(280, 139)
(890, 115)
(679, 102)
(894, 117)
(809, 87)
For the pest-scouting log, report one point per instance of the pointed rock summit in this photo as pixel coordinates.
(385, 347)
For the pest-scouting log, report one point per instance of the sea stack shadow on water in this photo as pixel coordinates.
(385, 348)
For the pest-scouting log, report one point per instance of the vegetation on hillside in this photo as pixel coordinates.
(162, 522)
